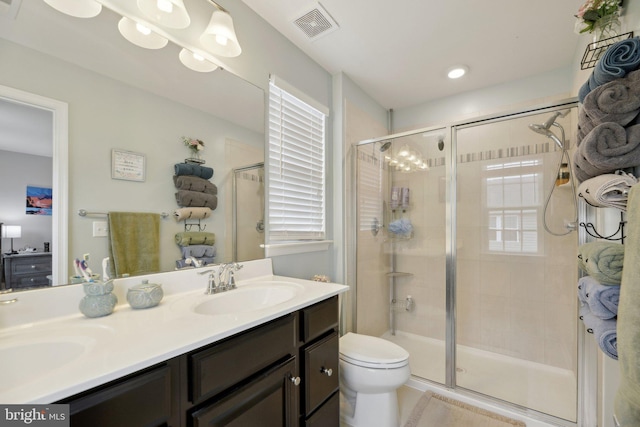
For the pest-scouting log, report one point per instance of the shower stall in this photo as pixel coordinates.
(248, 212)
(453, 260)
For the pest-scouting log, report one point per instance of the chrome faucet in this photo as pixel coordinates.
(193, 261)
(223, 279)
(212, 286)
(226, 275)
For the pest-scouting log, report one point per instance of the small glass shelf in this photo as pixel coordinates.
(398, 274)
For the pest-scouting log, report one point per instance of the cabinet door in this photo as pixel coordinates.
(142, 400)
(320, 372)
(270, 400)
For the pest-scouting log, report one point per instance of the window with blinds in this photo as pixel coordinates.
(296, 187)
(512, 197)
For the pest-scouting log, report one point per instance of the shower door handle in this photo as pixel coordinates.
(375, 226)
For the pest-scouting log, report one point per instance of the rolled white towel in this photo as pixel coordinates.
(607, 190)
(182, 214)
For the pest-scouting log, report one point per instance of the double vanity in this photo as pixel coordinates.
(265, 353)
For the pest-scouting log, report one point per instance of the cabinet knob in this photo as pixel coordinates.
(295, 380)
(327, 372)
(33, 267)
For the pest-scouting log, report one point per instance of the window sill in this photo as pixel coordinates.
(289, 248)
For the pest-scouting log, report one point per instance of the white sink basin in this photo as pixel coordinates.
(248, 298)
(27, 355)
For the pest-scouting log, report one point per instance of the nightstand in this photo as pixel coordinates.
(26, 270)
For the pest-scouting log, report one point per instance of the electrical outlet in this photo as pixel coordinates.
(100, 228)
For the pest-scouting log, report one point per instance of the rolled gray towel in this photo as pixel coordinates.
(194, 183)
(585, 125)
(608, 190)
(607, 148)
(617, 101)
(582, 169)
(191, 169)
(578, 173)
(186, 198)
(613, 147)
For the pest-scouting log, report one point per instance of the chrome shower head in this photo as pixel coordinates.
(385, 146)
(544, 128)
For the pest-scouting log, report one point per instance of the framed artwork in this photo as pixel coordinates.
(127, 165)
(39, 200)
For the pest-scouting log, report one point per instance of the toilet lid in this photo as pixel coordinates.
(373, 352)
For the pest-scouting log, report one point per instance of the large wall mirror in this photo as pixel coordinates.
(119, 96)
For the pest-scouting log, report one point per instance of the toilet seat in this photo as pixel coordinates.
(372, 352)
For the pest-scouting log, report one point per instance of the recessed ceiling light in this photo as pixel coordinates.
(457, 72)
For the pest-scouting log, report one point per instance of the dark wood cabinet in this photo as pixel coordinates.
(269, 400)
(26, 270)
(283, 373)
(145, 399)
(319, 355)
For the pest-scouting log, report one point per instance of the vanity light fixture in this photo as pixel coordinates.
(196, 62)
(11, 232)
(170, 13)
(457, 72)
(77, 8)
(140, 35)
(220, 37)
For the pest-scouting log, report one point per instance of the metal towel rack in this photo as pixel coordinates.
(83, 212)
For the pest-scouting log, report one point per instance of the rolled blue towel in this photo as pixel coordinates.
(604, 331)
(602, 299)
(618, 60)
(203, 172)
(198, 251)
(181, 263)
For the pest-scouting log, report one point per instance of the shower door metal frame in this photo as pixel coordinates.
(586, 369)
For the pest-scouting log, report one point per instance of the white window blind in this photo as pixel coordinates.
(296, 187)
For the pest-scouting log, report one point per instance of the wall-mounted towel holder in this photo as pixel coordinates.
(617, 235)
(189, 225)
(83, 212)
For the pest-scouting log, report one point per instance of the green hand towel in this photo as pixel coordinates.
(134, 243)
(627, 401)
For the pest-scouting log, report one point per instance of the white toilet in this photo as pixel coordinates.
(371, 370)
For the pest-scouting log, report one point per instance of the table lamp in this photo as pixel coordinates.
(11, 232)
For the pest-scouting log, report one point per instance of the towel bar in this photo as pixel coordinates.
(83, 212)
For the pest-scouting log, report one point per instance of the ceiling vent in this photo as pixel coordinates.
(316, 23)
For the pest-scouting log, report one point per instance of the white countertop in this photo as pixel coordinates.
(49, 350)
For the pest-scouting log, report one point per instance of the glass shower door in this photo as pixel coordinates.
(516, 309)
(401, 246)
